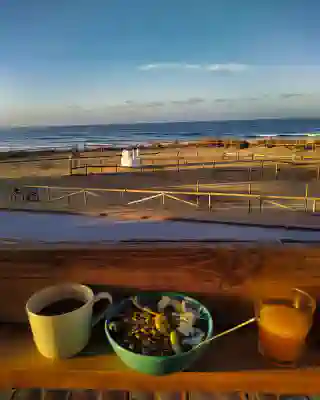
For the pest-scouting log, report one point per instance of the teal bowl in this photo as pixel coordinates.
(158, 365)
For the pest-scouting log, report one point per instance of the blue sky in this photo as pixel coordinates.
(96, 61)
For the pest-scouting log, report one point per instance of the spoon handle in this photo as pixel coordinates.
(245, 323)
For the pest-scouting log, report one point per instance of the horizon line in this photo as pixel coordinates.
(13, 126)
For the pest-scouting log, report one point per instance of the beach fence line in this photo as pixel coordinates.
(151, 194)
(102, 163)
(183, 164)
(251, 167)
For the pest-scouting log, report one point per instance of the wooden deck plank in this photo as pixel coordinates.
(114, 395)
(170, 396)
(216, 396)
(54, 394)
(232, 365)
(87, 394)
(27, 394)
(142, 396)
(6, 394)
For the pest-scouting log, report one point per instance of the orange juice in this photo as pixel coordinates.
(282, 332)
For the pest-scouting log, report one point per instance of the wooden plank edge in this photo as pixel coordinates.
(305, 381)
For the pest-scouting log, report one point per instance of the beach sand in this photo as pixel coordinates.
(259, 170)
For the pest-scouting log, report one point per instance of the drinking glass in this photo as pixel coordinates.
(284, 323)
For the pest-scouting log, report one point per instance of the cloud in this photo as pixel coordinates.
(230, 67)
(253, 98)
(157, 104)
(190, 101)
(233, 67)
(135, 105)
(154, 104)
(290, 95)
(221, 100)
(168, 65)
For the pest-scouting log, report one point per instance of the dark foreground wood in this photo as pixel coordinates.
(227, 279)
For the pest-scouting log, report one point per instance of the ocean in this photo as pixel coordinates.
(122, 135)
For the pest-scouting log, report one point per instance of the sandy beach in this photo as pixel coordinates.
(186, 175)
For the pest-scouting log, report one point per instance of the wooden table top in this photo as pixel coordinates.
(232, 363)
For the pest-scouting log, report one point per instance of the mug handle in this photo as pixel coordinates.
(98, 297)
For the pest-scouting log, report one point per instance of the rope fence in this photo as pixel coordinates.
(151, 194)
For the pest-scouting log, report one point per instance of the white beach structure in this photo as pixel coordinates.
(130, 158)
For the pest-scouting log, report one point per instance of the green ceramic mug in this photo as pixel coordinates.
(158, 365)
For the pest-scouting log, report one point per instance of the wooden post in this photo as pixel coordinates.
(238, 156)
(261, 168)
(85, 199)
(249, 173)
(70, 165)
(314, 208)
(306, 198)
(116, 167)
(209, 201)
(162, 198)
(249, 201)
(260, 203)
(276, 171)
(48, 193)
(86, 169)
(318, 173)
(197, 189)
(178, 165)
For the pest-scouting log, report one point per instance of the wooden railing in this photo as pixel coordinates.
(89, 394)
(209, 196)
(226, 279)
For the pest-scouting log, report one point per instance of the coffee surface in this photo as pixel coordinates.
(62, 306)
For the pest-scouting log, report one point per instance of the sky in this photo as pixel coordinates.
(115, 61)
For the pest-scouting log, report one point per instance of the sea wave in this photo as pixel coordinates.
(67, 137)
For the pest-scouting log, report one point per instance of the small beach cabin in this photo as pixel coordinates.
(130, 158)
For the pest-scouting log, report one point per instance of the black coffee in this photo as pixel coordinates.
(62, 306)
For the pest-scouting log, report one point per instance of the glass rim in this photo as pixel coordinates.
(312, 300)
